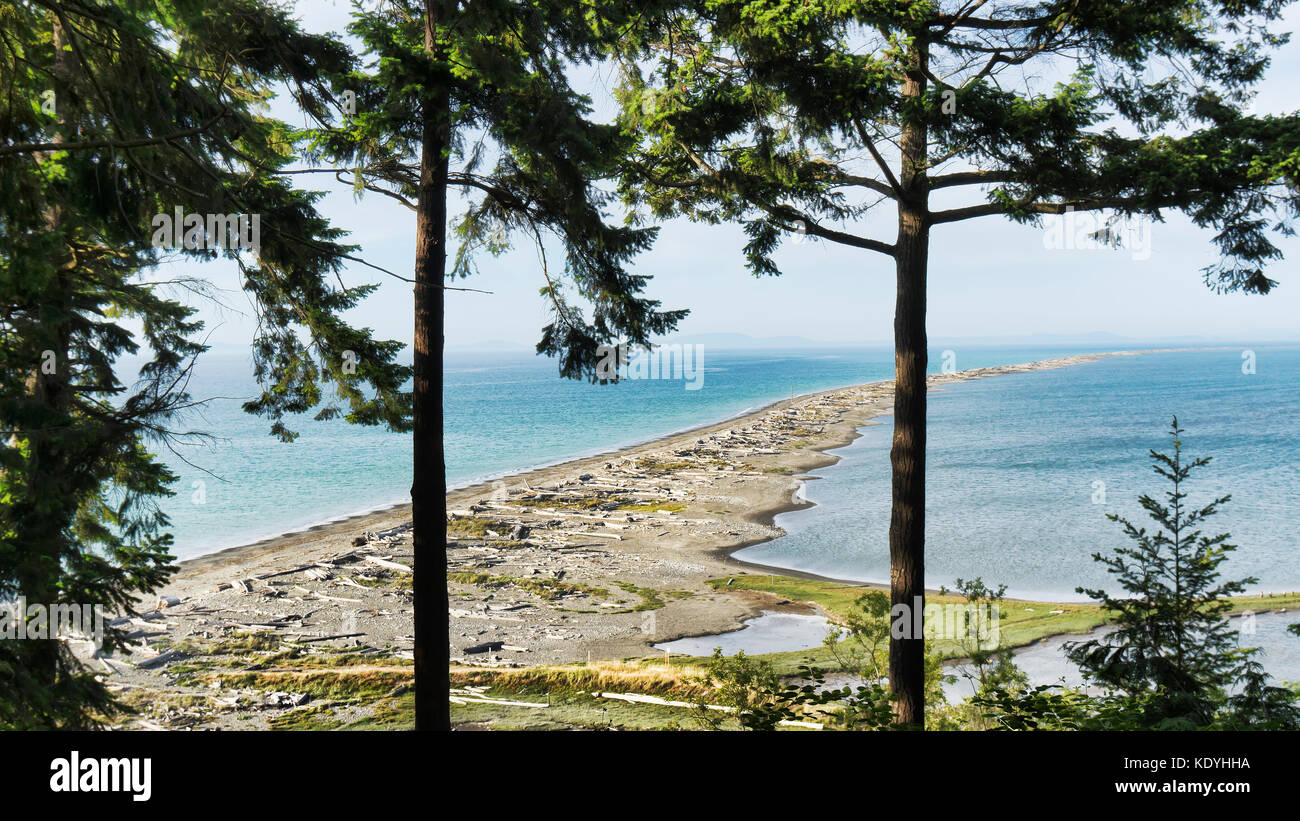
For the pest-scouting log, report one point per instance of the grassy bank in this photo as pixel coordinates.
(1021, 622)
(567, 690)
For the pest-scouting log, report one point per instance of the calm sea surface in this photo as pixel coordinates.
(1022, 470)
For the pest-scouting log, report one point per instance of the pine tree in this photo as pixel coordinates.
(1172, 640)
(114, 114)
(473, 99)
(798, 118)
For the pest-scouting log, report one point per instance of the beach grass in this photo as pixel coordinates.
(598, 502)
(567, 688)
(465, 527)
(570, 712)
(648, 676)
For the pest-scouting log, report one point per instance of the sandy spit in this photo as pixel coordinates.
(596, 558)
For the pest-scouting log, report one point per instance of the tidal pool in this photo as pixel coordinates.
(770, 632)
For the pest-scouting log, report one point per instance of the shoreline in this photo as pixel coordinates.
(344, 521)
(594, 559)
(382, 514)
(594, 566)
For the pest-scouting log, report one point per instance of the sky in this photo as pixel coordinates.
(988, 278)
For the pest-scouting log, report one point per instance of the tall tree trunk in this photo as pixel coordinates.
(46, 523)
(429, 485)
(907, 456)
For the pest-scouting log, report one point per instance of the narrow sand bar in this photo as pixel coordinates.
(597, 558)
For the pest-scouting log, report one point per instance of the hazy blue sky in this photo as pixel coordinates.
(988, 277)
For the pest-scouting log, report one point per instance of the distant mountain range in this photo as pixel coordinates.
(732, 341)
(1098, 339)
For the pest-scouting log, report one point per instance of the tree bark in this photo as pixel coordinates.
(48, 509)
(907, 455)
(429, 483)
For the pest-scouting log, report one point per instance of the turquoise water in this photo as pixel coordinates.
(1015, 461)
(505, 413)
